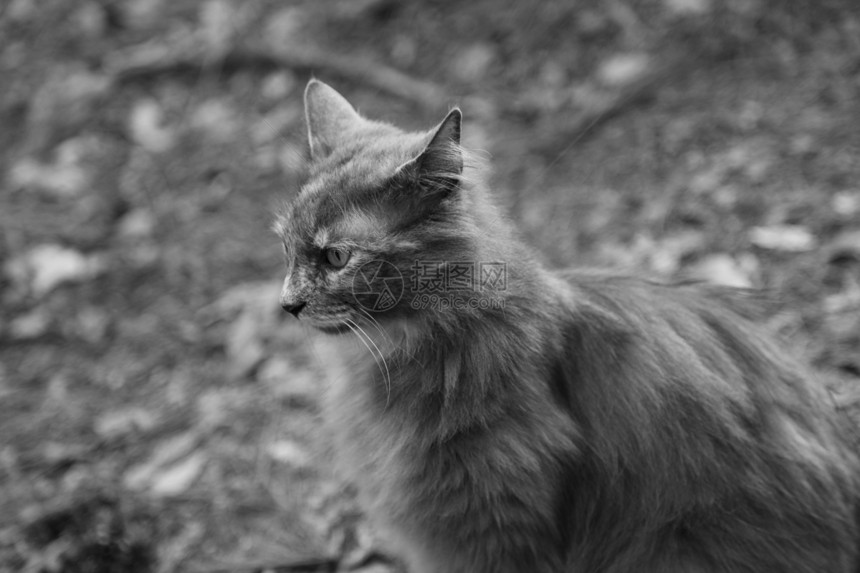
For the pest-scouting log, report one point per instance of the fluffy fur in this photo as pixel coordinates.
(590, 423)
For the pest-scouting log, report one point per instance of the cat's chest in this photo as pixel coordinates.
(369, 439)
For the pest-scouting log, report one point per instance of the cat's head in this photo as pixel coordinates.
(378, 202)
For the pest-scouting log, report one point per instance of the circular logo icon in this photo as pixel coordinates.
(377, 286)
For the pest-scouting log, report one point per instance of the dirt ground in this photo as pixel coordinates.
(158, 411)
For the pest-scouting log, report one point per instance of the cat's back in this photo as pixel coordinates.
(687, 394)
(718, 324)
(701, 341)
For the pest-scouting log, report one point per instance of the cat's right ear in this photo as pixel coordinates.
(329, 116)
(439, 166)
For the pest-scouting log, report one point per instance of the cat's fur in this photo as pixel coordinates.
(593, 424)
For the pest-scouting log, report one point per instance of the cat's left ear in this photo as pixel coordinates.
(440, 164)
(329, 118)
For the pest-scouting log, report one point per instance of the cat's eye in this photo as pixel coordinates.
(337, 257)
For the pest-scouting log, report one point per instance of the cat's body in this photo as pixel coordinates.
(583, 423)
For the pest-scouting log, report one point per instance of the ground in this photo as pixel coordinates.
(158, 410)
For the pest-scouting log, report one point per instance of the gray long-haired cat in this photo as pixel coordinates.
(508, 418)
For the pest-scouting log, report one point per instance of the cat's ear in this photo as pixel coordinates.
(439, 166)
(443, 157)
(329, 116)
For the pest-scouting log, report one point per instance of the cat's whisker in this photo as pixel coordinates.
(401, 346)
(384, 333)
(386, 373)
(352, 329)
(397, 346)
(376, 325)
(364, 338)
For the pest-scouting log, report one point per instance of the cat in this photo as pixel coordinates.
(549, 421)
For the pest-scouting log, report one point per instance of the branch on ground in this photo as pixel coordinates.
(148, 61)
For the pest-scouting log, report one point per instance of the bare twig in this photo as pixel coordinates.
(146, 63)
(574, 128)
(305, 564)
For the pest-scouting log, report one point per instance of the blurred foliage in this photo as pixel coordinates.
(158, 412)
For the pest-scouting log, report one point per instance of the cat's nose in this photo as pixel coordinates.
(293, 308)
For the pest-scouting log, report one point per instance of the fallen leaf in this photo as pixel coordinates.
(688, 7)
(708, 179)
(790, 238)
(177, 478)
(60, 453)
(217, 120)
(848, 300)
(217, 408)
(277, 85)
(289, 453)
(59, 180)
(44, 267)
(67, 176)
(665, 255)
(721, 269)
(753, 159)
(118, 423)
(136, 224)
(288, 381)
(375, 568)
(30, 325)
(168, 451)
(147, 129)
(623, 69)
(846, 203)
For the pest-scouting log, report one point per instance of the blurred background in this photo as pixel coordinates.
(157, 412)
